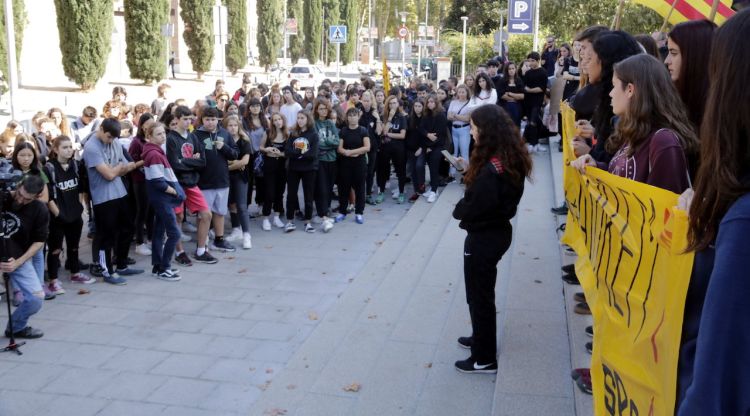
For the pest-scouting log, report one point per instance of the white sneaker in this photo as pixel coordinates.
(327, 225)
(317, 220)
(540, 149)
(277, 222)
(247, 241)
(395, 193)
(143, 249)
(431, 196)
(235, 235)
(211, 234)
(530, 148)
(185, 238)
(266, 224)
(189, 227)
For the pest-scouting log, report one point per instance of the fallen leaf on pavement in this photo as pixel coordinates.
(428, 365)
(229, 258)
(242, 271)
(312, 316)
(269, 370)
(372, 317)
(291, 387)
(83, 291)
(354, 387)
(275, 412)
(537, 281)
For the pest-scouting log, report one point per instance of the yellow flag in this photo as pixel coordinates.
(629, 239)
(386, 78)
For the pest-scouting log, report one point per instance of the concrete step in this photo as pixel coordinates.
(383, 333)
(576, 323)
(533, 360)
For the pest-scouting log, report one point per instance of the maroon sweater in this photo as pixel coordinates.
(658, 161)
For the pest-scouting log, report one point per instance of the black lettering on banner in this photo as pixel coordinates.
(651, 221)
(616, 400)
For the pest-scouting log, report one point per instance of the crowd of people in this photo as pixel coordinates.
(139, 171)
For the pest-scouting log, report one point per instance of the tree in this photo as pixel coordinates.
(19, 21)
(483, 16)
(145, 49)
(349, 15)
(198, 33)
(313, 29)
(236, 49)
(269, 32)
(85, 28)
(332, 16)
(478, 48)
(296, 42)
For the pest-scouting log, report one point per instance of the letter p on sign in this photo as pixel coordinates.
(519, 8)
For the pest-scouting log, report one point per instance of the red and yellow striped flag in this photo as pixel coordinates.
(386, 78)
(685, 10)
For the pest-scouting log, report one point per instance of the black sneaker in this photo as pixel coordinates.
(470, 366)
(571, 279)
(589, 331)
(26, 333)
(465, 342)
(579, 297)
(222, 245)
(561, 210)
(206, 257)
(168, 275)
(128, 271)
(589, 347)
(183, 260)
(155, 271)
(569, 269)
(96, 270)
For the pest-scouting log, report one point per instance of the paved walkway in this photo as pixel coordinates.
(361, 321)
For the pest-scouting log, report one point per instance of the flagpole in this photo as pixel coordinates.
(714, 9)
(616, 22)
(666, 19)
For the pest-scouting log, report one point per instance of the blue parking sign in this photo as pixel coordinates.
(521, 16)
(337, 34)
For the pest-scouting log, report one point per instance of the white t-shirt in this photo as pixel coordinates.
(289, 111)
(484, 98)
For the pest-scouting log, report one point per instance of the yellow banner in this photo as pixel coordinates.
(629, 239)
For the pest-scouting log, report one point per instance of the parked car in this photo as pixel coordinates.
(307, 75)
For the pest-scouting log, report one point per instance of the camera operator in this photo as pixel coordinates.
(26, 224)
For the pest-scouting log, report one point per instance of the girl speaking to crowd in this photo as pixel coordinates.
(499, 165)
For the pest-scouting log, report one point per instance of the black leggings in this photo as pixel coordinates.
(372, 157)
(114, 232)
(293, 179)
(324, 181)
(144, 214)
(274, 178)
(71, 233)
(396, 152)
(352, 176)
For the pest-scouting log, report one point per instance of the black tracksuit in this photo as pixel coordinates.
(485, 211)
(302, 154)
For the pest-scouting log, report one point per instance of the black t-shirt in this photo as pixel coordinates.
(535, 78)
(516, 88)
(353, 139)
(245, 147)
(64, 188)
(571, 67)
(24, 226)
(368, 121)
(549, 57)
(398, 123)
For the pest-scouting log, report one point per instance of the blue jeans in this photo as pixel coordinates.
(37, 260)
(164, 220)
(514, 111)
(26, 279)
(461, 143)
(432, 160)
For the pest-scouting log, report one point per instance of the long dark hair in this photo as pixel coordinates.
(655, 104)
(498, 137)
(611, 48)
(141, 133)
(725, 133)
(488, 82)
(694, 39)
(413, 117)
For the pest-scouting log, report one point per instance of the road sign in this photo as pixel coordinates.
(403, 32)
(337, 34)
(521, 17)
(425, 42)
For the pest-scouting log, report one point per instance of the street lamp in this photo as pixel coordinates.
(403, 50)
(463, 51)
